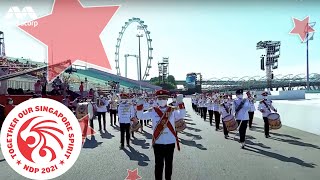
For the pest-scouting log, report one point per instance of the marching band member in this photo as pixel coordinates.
(164, 134)
(216, 109)
(196, 104)
(205, 107)
(225, 110)
(146, 106)
(252, 108)
(210, 110)
(200, 106)
(125, 113)
(113, 111)
(101, 111)
(240, 109)
(265, 107)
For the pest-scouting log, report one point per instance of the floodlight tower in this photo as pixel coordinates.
(126, 65)
(272, 55)
(163, 69)
(2, 47)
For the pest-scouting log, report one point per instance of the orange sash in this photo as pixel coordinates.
(161, 125)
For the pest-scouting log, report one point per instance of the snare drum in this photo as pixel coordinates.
(180, 125)
(135, 126)
(230, 123)
(274, 121)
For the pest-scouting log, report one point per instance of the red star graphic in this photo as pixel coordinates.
(18, 162)
(133, 175)
(85, 128)
(301, 28)
(72, 32)
(61, 162)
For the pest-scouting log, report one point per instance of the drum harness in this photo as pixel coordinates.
(266, 105)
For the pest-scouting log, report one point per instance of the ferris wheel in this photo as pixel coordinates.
(143, 28)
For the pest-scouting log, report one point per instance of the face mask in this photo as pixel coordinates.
(162, 103)
(10, 102)
(174, 99)
(265, 97)
(240, 96)
(225, 100)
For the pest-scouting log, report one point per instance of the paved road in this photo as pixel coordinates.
(289, 154)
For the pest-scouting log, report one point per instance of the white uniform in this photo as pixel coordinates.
(242, 114)
(102, 108)
(225, 110)
(125, 113)
(262, 106)
(166, 137)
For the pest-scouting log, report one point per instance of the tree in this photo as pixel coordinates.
(172, 80)
(169, 85)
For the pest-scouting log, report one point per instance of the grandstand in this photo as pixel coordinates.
(95, 78)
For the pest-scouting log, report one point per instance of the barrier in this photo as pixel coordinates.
(284, 95)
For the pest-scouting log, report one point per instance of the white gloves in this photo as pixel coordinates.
(179, 98)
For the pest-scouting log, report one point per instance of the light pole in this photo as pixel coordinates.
(139, 35)
(308, 28)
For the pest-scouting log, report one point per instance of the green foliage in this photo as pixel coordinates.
(169, 85)
(172, 80)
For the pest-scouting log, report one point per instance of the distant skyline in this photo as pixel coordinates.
(215, 38)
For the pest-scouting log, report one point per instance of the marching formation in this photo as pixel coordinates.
(136, 111)
(236, 114)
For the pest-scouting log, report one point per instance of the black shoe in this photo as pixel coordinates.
(128, 145)
(226, 136)
(121, 146)
(267, 136)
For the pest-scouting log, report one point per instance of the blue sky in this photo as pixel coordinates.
(215, 38)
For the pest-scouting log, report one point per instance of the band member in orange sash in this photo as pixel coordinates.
(164, 134)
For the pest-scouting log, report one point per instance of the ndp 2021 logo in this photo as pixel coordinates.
(41, 139)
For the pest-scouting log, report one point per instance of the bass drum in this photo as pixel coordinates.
(274, 121)
(135, 124)
(84, 109)
(230, 123)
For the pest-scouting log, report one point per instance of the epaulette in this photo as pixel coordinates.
(261, 101)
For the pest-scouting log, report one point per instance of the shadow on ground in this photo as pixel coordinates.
(280, 157)
(135, 155)
(141, 142)
(91, 143)
(192, 144)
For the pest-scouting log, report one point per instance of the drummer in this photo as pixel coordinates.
(225, 110)
(125, 113)
(265, 107)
